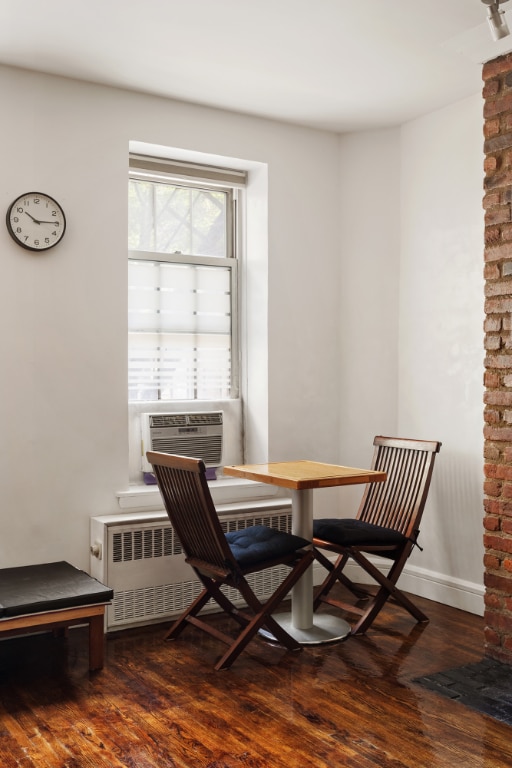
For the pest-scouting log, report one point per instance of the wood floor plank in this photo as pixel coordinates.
(159, 704)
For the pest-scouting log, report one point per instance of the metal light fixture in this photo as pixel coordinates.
(496, 18)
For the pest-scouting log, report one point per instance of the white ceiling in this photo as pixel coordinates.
(336, 64)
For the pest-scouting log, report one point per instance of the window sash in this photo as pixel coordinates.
(182, 328)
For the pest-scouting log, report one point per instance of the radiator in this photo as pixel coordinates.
(139, 556)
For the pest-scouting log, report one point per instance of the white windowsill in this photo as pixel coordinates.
(224, 491)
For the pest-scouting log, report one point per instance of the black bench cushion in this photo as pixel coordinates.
(48, 587)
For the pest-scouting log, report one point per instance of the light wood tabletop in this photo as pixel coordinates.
(302, 475)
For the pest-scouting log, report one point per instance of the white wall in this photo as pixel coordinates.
(441, 336)
(412, 314)
(63, 409)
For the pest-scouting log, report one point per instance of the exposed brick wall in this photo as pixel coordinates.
(497, 92)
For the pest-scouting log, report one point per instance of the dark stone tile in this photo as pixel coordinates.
(484, 686)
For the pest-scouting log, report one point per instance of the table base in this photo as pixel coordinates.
(325, 629)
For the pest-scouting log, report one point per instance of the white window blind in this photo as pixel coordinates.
(182, 291)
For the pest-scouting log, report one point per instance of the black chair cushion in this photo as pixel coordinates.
(259, 543)
(348, 532)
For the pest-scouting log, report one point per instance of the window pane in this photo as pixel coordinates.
(173, 219)
(179, 331)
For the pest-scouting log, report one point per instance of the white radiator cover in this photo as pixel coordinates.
(139, 556)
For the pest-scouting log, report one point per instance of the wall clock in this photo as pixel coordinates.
(36, 221)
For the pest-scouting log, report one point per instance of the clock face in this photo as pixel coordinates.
(36, 221)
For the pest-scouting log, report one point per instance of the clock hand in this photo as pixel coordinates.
(34, 220)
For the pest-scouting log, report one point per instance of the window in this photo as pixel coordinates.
(183, 281)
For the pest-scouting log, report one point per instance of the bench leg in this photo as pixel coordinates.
(96, 642)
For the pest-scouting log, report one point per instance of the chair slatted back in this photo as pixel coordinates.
(398, 502)
(191, 511)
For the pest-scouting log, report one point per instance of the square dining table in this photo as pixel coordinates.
(301, 478)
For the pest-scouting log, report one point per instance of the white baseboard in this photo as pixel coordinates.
(457, 593)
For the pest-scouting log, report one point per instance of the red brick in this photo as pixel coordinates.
(490, 162)
(491, 416)
(498, 433)
(498, 471)
(492, 324)
(491, 636)
(497, 215)
(492, 342)
(499, 288)
(503, 251)
(492, 563)
(498, 397)
(492, 379)
(491, 523)
(508, 645)
(501, 622)
(490, 89)
(500, 178)
(491, 199)
(495, 67)
(492, 488)
(493, 601)
(492, 507)
(493, 236)
(498, 305)
(498, 361)
(498, 543)
(506, 526)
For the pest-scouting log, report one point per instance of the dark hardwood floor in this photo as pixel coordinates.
(161, 704)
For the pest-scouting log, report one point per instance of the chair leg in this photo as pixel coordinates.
(262, 615)
(193, 609)
(387, 589)
(335, 574)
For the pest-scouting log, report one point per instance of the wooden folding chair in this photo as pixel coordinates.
(221, 559)
(387, 524)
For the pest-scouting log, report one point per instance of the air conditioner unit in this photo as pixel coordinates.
(196, 434)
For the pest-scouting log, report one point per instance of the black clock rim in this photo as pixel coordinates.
(16, 240)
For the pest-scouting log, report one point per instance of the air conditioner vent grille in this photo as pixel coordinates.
(184, 419)
(208, 448)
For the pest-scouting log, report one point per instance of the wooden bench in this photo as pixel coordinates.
(52, 596)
